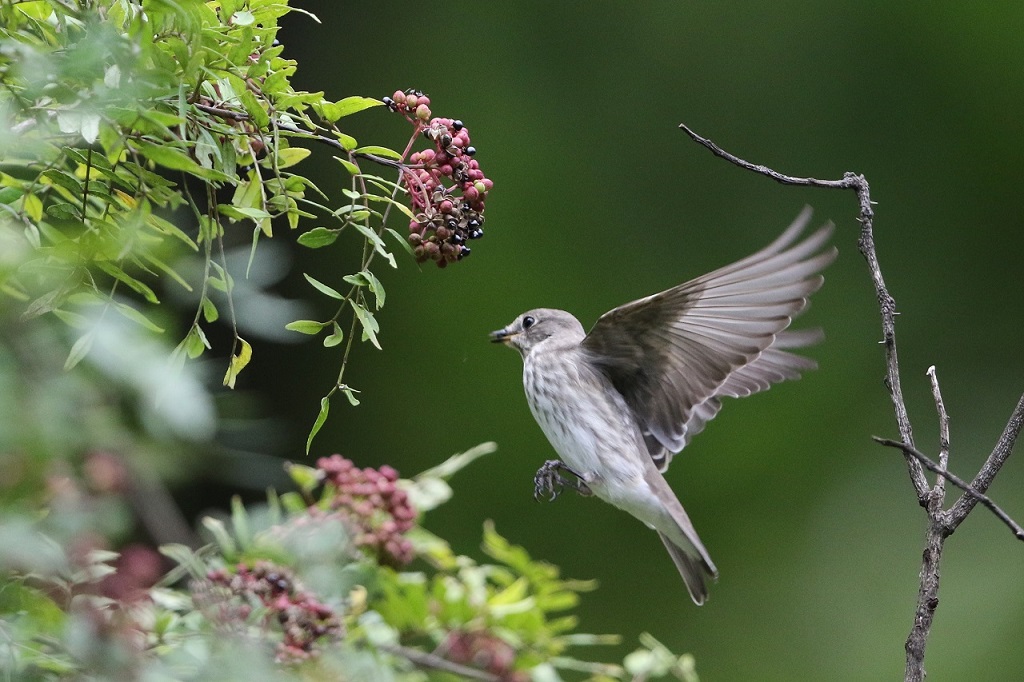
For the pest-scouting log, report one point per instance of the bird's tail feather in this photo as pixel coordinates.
(694, 570)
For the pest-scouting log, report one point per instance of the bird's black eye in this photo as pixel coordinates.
(528, 322)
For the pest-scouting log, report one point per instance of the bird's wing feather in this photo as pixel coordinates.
(673, 355)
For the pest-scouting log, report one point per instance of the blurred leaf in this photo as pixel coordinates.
(221, 536)
(457, 462)
(427, 493)
(305, 477)
(79, 350)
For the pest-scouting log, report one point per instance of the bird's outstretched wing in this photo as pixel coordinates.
(674, 355)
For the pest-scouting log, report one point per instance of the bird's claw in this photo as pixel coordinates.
(548, 482)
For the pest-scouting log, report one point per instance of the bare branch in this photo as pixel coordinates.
(969, 489)
(939, 492)
(430, 661)
(1004, 446)
(866, 244)
(940, 523)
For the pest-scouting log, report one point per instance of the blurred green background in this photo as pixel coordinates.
(599, 199)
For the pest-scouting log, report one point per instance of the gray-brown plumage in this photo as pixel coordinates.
(618, 402)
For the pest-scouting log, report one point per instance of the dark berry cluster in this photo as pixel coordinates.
(377, 510)
(303, 619)
(486, 651)
(446, 215)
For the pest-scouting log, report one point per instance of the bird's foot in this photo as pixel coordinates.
(549, 482)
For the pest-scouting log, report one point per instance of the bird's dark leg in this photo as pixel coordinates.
(548, 481)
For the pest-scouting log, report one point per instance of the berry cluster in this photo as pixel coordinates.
(447, 216)
(302, 617)
(483, 650)
(373, 505)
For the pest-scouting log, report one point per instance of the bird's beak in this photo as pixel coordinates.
(503, 336)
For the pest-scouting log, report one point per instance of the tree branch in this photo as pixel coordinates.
(939, 491)
(941, 523)
(430, 661)
(866, 244)
(991, 467)
(969, 489)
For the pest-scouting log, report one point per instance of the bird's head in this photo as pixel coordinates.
(553, 328)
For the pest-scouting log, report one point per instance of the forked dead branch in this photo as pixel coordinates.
(942, 521)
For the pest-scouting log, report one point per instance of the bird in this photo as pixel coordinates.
(618, 402)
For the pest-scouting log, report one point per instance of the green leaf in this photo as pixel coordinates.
(457, 462)
(122, 276)
(79, 350)
(325, 406)
(332, 111)
(347, 141)
(350, 393)
(33, 207)
(318, 237)
(240, 522)
(305, 477)
(323, 288)
(238, 363)
(368, 322)
(221, 536)
(375, 287)
(379, 151)
(305, 326)
(210, 313)
(349, 166)
(291, 156)
(137, 317)
(170, 157)
(243, 18)
(335, 338)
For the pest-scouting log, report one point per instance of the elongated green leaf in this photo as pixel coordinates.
(305, 326)
(122, 276)
(349, 166)
(137, 317)
(79, 350)
(325, 406)
(368, 322)
(375, 287)
(379, 151)
(332, 111)
(323, 288)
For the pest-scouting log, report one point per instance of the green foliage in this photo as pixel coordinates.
(254, 587)
(118, 119)
(137, 138)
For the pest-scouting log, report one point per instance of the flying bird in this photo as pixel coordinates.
(618, 402)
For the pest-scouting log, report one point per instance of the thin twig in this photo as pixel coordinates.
(939, 491)
(435, 662)
(969, 489)
(887, 304)
(1002, 450)
(330, 141)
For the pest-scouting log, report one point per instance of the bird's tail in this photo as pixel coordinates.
(694, 569)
